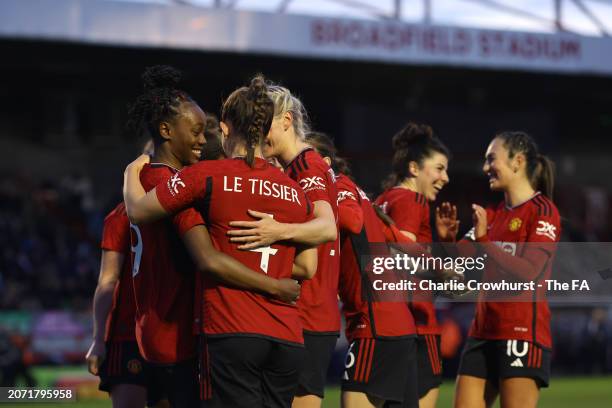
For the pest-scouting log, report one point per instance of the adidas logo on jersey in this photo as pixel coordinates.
(517, 363)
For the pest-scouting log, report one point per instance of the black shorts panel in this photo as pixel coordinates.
(429, 363)
(498, 359)
(319, 350)
(124, 365)
(250, 372)
(178, 382)
(385, 369)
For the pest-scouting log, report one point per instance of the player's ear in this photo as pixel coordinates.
(164, 130)
(518, 162)
(413, 169)
(327, 160)
(287, 121)
(224, 129)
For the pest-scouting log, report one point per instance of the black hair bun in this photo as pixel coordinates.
(256, 88)
(412, 134)
(161, 76)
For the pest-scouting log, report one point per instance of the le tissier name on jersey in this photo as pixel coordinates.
(255, 186)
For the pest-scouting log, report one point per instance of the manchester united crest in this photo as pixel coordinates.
(515, 224)
(134, 366)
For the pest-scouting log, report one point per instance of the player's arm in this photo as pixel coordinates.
(231, 272)
(141, 206)
(110, 269)
(526, 267)
(305, 262)
(265, 231)
(350, 214)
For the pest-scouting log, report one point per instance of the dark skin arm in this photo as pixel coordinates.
(231, 272)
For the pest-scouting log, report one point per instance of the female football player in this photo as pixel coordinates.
(380, 365)
(163, 273)
(318, 300)
(420, 164)
(254, 343)
(509, 345)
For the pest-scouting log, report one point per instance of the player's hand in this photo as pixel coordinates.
(95, 355)
(456, 293)
(288, 290)
(447, 224)
(479, 218)
(139, 163)
(254, 234)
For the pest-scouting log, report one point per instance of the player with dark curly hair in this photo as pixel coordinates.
(164, 274)
(254, 343)
(420, 163)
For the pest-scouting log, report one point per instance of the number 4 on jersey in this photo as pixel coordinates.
(265, 252)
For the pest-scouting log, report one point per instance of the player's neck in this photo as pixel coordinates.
(518, 194)
(409, 184)
(165, 156)
(241, 151)
(293, 149)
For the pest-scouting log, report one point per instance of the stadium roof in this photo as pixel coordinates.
(587, 17)
(166, 24)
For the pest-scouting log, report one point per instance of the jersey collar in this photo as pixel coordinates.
(537, 193)
(304, 150)
(163, 164)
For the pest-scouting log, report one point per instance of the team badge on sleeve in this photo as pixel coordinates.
(174, 183)
(343, 195)
(547, 229)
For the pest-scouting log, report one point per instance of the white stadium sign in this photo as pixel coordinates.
(199, 28)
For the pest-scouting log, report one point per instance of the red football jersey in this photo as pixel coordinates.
(116, 237)
(535, 221)
(164, 280)
(365, 317)
(224, 190)
(318, 302)
(410, 212)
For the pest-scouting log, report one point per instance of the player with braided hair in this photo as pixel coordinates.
(319, 298)
(254, 343)
(164, 275)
